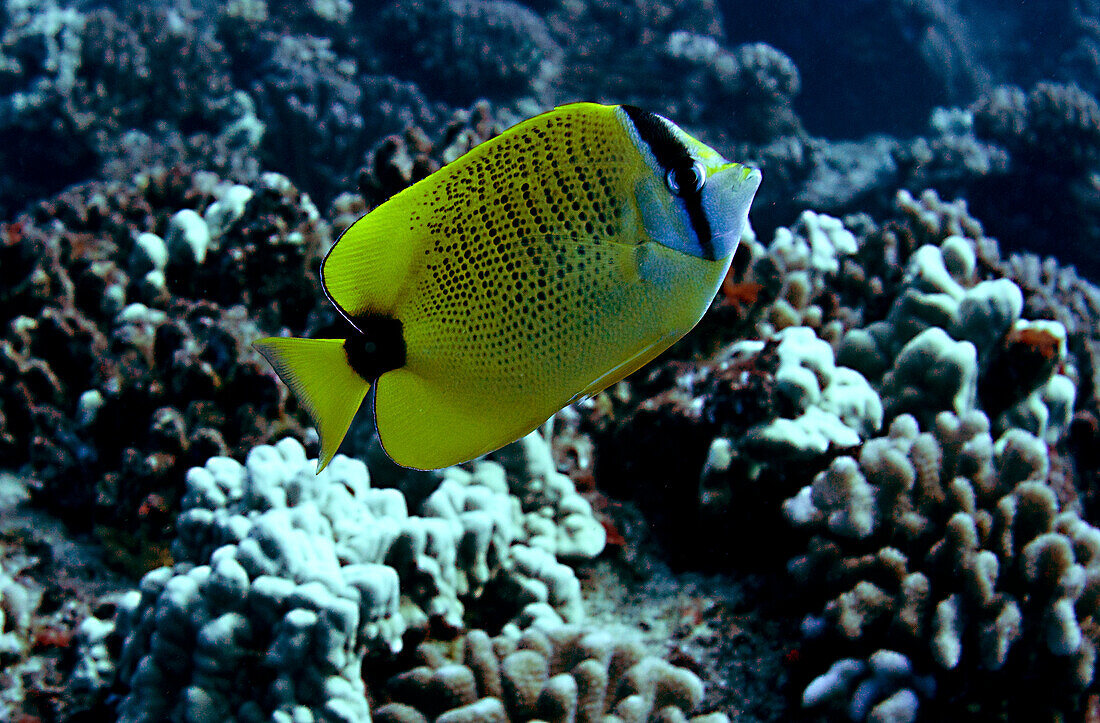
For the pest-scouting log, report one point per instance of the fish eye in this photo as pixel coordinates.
(682, 180)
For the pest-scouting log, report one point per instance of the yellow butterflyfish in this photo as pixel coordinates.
(541, 267)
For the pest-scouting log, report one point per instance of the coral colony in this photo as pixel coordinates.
(864, 488)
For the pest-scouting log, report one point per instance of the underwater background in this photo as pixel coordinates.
(865, 487)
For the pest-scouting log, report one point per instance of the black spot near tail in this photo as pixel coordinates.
(379, 349)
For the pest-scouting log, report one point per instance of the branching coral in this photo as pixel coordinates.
(464, 49)
(1051, 124)
(793, 273)
(882, 688)
(832, 407)
(290, 580)
(119, 369)
(950, 337)
(754, 76)
(1052, 136)
(959, 546)
(918, 538)
(556, 674)
(964, 556)
(279, 601)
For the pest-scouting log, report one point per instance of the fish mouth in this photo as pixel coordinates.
(749, 181)
(749, 174)
(728, 205)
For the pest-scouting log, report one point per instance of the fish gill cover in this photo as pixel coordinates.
(864, 487)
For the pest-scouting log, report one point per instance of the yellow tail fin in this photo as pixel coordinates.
(318, 373)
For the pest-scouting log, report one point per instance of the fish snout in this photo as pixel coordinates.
(727, 197)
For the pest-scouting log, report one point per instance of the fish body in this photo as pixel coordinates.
(541, 267)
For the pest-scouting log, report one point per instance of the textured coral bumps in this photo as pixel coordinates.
(128, 315)
(953, 538)
(559, 674)
(952, 546)
(122, 363)
(287, 581)
(950, 542)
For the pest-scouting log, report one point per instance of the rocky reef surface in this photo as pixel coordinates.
(865, 488)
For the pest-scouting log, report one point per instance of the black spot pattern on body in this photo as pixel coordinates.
(503, 279)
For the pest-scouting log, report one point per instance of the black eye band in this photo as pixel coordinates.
(671, 153)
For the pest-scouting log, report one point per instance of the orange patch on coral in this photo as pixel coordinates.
(742, 294)
(52, 638)
(614, 537)
(1039, 340)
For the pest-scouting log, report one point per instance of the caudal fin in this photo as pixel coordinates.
(317, 371)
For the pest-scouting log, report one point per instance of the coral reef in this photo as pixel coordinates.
(56, 602)
(291, 580)
(107, 86)
(303, 90)
(882, 688)
(880, 405)
(262, 597)
(128, 317)
(1052, 125)
(1052, 137)
(921, 54)
(469, 49)
(614, 48)
(832, 407)
(755, 77)
(924, 540)
(321, 111)
(1010, 152)
(960, 546)
(941, 328)
(951, 545)
(556, 674)
(20, 599)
